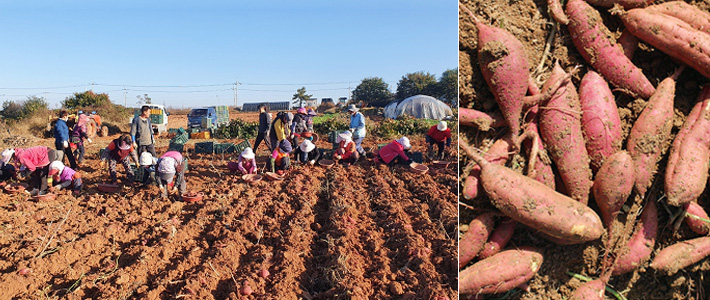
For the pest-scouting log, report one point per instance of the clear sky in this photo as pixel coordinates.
(190, 53)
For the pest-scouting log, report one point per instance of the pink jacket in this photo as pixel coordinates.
(392, 150)
(174, 154)
(33, 157)
(246, 166)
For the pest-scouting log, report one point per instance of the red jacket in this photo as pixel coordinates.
(348, 150)
(439, 136)
(33, 157)
(392, 150)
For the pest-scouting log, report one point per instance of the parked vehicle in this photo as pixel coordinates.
(208, 117)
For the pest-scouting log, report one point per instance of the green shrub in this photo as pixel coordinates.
(324, 124)
(84, 99)
(20, 110)
(237, 129)
(406, 126)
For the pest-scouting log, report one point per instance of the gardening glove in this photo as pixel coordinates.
(312, 162)
(273, 165)
(57, 187)
(66, 144)
(89, 140)
(135, 145)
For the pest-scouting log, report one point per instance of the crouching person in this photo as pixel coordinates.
(170, 170)
(119, 150)
(347, 149)
(247, 162)
(147, 163)
(279, 162)
(307, 152)
(63, 177)
(395, 152)
(7, 170)
(36, 160)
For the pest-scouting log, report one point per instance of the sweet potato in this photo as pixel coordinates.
(687, 169)
(590, 290)
(543, 168)
(648, 136)
(501, 272)
(682, 254)
(535, 205)
(688, 13)
(498, 238)
(556, 12)
(504, 66)
(671, 36)
(499, 153)
(601, 124)
(561, 130)
(694, 218)
(639, 247)
(480, 120)
(629, 43)
(472, 241)
(627, 4)
(594, 42)
(613, 185)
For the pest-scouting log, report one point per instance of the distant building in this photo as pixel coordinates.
(326, 100)
(281, 105)
(313, 102)
(343, 100)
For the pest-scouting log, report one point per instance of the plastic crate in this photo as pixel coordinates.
(205, 147)
(176, 147)
(180, 138)
(224, 148)
(241, 146)
(174, 130)
(137, 173)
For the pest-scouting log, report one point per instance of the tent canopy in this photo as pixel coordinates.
(419, 106)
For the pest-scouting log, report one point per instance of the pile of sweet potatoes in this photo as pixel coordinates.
(629, 169)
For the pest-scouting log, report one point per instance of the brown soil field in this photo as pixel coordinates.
(530, 22)
(363, 232)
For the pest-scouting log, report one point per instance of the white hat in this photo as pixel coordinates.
(147, 159)
(248, 153)
(6, 155)
(441, 126)
(345, 136)
(307, 146)
(404, 141)
(56, 165)
(352, 107)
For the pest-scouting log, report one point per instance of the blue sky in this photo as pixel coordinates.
(188, 54)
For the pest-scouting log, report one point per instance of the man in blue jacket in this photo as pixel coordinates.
(357, 127)
(61, 138)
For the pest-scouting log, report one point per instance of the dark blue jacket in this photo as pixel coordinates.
(61, 132)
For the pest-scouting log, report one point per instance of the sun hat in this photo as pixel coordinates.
(248, 153)
(312, 112)
(404, 141)
(345, 136)
(307, 146)
(441, 126)
(352, 107)
(301, 110)
(6, 155)
(285, 146)
(56, 167)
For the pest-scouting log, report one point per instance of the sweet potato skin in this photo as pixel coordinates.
(472, 241)
(649, 133)
(480, 120)
(671, 36)
(688, 13)
(639, 247)
(627, 4)
(497, 154)
(561, 131)
(543, 167)
(613, 185)
(504, 66)
(696, 225)
(687, 170)
(595, 43)
(601, 124)
(592, 290)
(498, 238)
(501, 272)
(681, 255)
(533, 204)
(629, 43)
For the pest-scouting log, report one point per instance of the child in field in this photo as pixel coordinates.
(147, 166)
(62, 177)
(247, 163)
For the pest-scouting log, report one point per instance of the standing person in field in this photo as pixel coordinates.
(142, 132)
(119, 150)
(61, 137)
(264, 127)
(299, 124)
(279, 130)
(357, 127)
(77, 138)
(440, 135)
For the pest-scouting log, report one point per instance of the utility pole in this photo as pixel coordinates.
(236, 83)
(125, 101)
